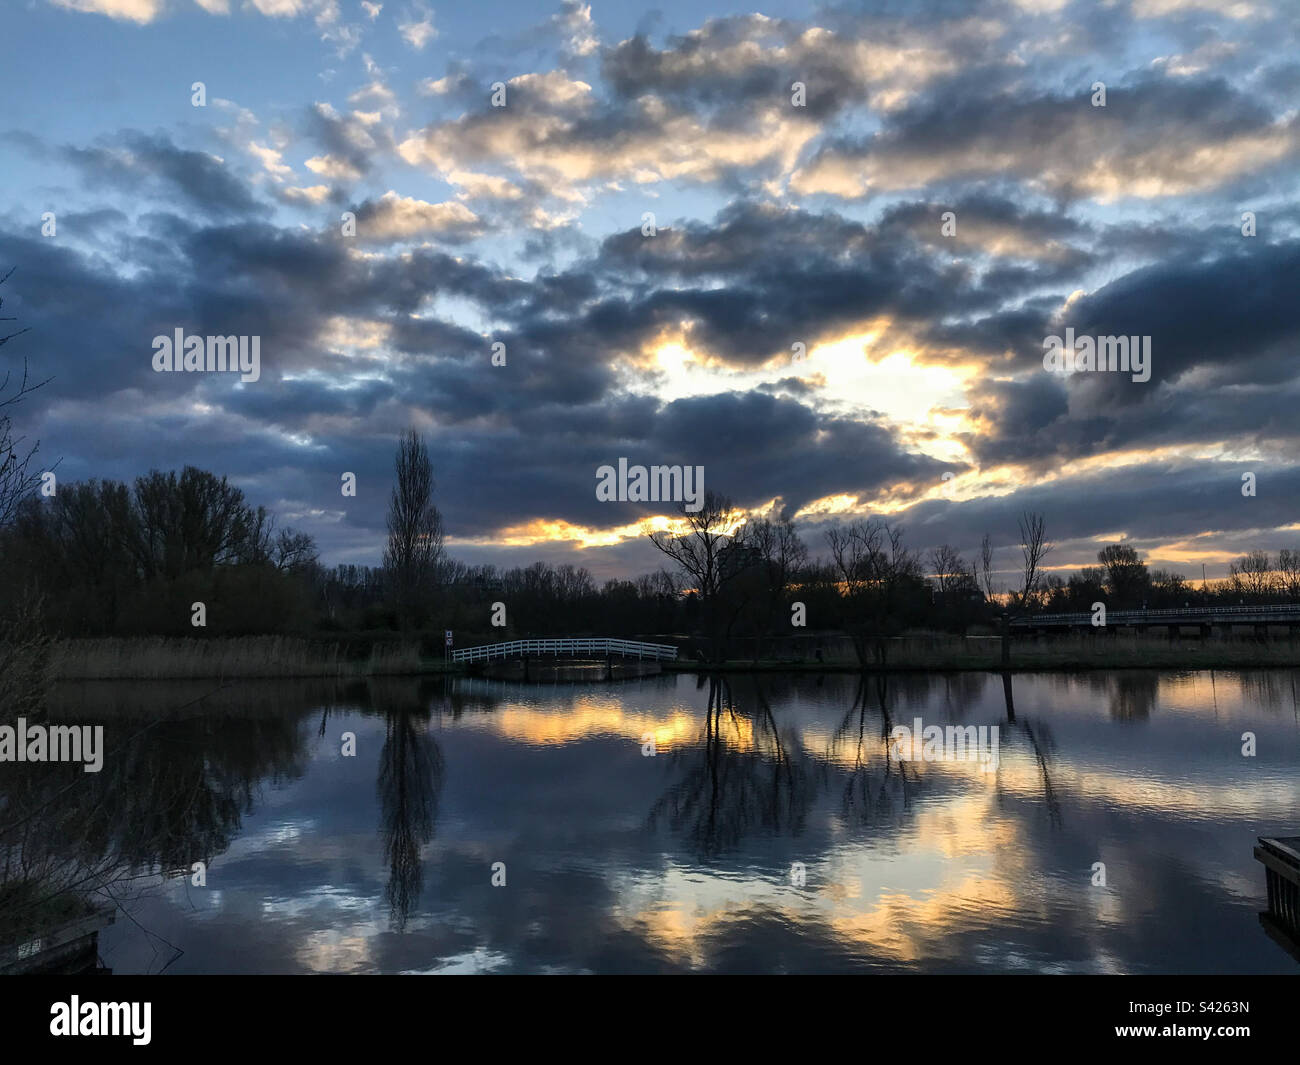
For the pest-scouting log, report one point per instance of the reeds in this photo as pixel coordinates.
(161, 658)
(1123, 650)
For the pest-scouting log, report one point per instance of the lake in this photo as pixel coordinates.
(678, 823)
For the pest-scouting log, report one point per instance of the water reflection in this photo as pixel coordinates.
(876, 786)
(622, 862)
(743, 777)
(410, 783)
(172, 792)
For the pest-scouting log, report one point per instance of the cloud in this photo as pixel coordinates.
(753, 60)
(197, 178)
(394, 217)
(140, 11)
(776, 224)
(554, 133)
(418, 29)
(280, 8)
(575, 22)
(270, 159)
(1159, 138)
(352, 145)
(313, 194)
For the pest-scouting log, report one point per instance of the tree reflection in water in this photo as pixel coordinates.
(410, 786)
(744, 778)
(172, 792)
(748, 776)
(873, 786)
(1043, 746)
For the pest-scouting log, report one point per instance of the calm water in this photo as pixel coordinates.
(619, 862)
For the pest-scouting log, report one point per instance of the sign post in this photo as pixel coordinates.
(446, 645)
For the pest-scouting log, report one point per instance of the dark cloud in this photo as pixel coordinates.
(1156, 136)
(198, 180)
(347, 140)
(777, 225)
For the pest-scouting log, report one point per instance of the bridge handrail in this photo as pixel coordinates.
(565, 645)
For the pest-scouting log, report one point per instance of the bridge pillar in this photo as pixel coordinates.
(1173, 631)
(1261, 631)
(1206, 631)
(1225, 630)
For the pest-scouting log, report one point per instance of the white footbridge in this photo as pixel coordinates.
(566, 648)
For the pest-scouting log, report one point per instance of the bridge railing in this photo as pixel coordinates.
(520, 648)
(1191, 614)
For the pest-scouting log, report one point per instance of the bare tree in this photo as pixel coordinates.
(17, 478)
(873, 568)
(1127, 579)
(661, 583)
(415, 534)
(949, 568)
(1288, 573)
(780, 554)
(193, 521)
(698, 550)
(295, 552)
(1034, 547)
(1252, 575)
(713, 534)
(986, 567)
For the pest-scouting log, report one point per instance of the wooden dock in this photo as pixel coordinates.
(68, 949)
(1280, 857)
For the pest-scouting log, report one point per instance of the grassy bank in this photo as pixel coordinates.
(159, 658)
(1121, 651)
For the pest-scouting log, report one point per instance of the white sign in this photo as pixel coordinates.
(448, 637)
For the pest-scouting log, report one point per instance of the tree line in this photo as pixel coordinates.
(103, 557)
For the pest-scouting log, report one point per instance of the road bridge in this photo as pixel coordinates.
(1205, 618)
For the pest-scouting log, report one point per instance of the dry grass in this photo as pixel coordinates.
(1124, 650)
(159, 658)
(24, 655)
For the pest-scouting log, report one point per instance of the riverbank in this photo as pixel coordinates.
(160, 658)
(1037, 653)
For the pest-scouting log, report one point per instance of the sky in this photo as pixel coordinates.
(817, 250)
